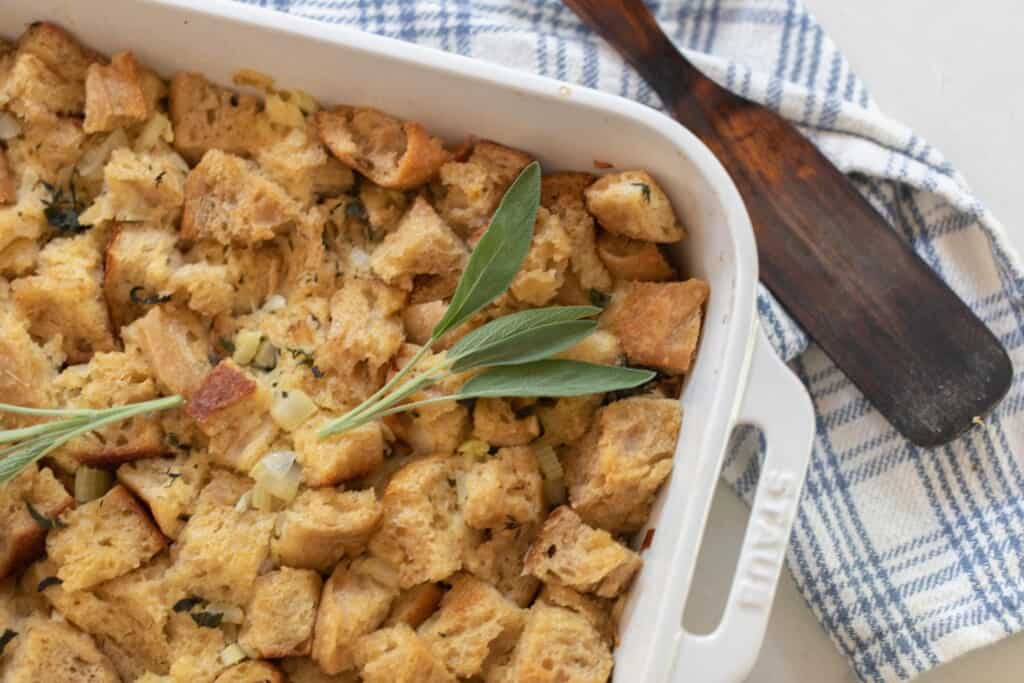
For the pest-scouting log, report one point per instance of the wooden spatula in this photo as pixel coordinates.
(914, 349)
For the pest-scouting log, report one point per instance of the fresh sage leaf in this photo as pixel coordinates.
(186, 604)
(500, 329)
(500, 252)
(47, 582)
(207, 619)
(528, 345)
(552, 377)
(42, 520)
(7, 636)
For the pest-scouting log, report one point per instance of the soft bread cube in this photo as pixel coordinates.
(474, 621)
(230, 200)
(174, 342)
(421, 533)
(113, 94)
(566, 419)
(21, 537)
(196, 650)
(251, 672)
(398, 655)
(59, 50)
(505, 490)
(322, 525)
(279, 618)
(421, 244)
(562, 194)
(394, 154)
(658, 323)
(413, 606)
(168, 486)
(140, 187)
(26, 370)
(630, 203)
(37, 93)
(467, 192)
(569, 553)
(630, 259)
(421, 319)
(56, 652)
(295, 161)
(383, 207)
(340, 457)
(614, 472)
(45, 149)
(546, 264)
(305, 670)
(559, 645)
(103, 539)
(137, 256)
(497, 558)
(496, 422)
(206, 116)
(354, 602)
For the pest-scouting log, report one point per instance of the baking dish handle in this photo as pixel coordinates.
(776, 402)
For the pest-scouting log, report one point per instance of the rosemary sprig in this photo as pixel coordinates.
(32, 443)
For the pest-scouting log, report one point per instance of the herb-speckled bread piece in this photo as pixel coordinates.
(505, 490)
(421, 244)
(398, 655)
(56, 652)
(21, 537)
(280, 615)
(322, 525)
(559, 645)
(631, 203)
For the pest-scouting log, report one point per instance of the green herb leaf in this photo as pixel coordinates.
(186, 604)
(135, 294)
(47, 582)
(207, 619)
(42, 520)
(552, 378)
(599, 298)
(502, 328)
(645, 190)
(528, 345)
(500, 252)
(7, 636)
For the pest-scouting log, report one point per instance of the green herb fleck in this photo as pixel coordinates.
(207, 619)
(599, 298)
(43, 521)
(7, 636)
(186, 604)
(136, 296)
(62, 209)
(47, 582)
(160, 178)
(645, 189)
(356, 209)
(227, 344)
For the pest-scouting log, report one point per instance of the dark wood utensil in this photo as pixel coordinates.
(914, 349)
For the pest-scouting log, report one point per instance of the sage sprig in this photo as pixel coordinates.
(513, 352)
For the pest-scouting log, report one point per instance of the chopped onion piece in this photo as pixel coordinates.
(266, 356)
(232, 654)
(95, 158)
(284, 113)
(278, 476)
(156, 128)
(303, 100)
(91, 483)
(253, 79)
(291, 409)
(247, 343)
(474, 451)
(244, 503)
(554, 475)
(274, 302)
(10, 127)
(262, 499)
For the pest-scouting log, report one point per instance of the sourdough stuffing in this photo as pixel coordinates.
(273, 259)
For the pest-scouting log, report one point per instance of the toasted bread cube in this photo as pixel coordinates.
(138, 256)
(8, 190)
(614, 472)
(394, 154)
(413, 606)
(562, 194)
(26, 370)
(57, 653)
(103, 539)
(496, 422)
(323, 525)
(195, 649)
(174, 342)
(559, 645)
(64, 297)
(467, 192)
(354, 602)
(597, 611)
(436, 429)
(421, 532)
(630, 259)
(630, 203)
(295, 162)
(140, 187)
(338, 458)
(206, 116)
(59, 50)
(420, 319)
(230, 200)
(658, 323)
(280, 616)
(422, 244)
(169, 486)
(45, 149)
(497, 558)
(474, 621)
(398, 655)
(543, 271)
(383, 207)
(252, 672)
(505, 490)
(21, 537)
(566, 419)
(37, 93)
(569, 553)
(113, 94)
(305, 670)
(220, 550)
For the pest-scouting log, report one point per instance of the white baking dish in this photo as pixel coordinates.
(737, 379)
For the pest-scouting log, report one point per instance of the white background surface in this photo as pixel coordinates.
(954, 72)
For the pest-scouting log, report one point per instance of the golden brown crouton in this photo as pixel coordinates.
(414, 605)
(230, 200)
(64, 297)
(140, 186)
(437, 428)
(504, 490)
(467, 192)
(139, 260)
(174, 343)
(103, 539)
(545, 265)
(658, 323)
(169, 486)
(305, 670)
(37, 93)
(195, 649)
(394, 154)
(44, 151)
(421, 244)
(597, 611)
(564, 420)
(280, 615)
(224, 387)
(8, 190)
(398, 655)
(497, 558)
(354, 603)
(26, 371)
(113, 94)
(56, 653)
(206, 116)
(338, 458)
(295, 162)
(474, 621)
(252, 672)
(59, 50)
(420, 319)
(562, 194)
(572, 554)
(632, 204)
(21, 536)
(421, 533)
(496, 422)
(322, 525)
(383, 207)
(559, 646)
(614, 472)
(630, 259)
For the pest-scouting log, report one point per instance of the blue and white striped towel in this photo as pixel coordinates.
(908, 557)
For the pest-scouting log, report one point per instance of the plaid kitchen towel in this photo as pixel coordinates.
(908, 556)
